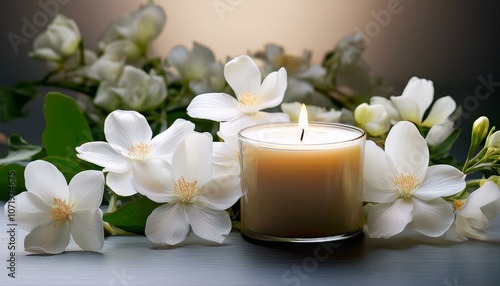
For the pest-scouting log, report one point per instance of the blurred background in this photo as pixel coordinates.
(452, 43)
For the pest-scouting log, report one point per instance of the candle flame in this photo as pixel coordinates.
(303, 121)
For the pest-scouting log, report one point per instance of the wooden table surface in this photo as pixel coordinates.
(408, 259)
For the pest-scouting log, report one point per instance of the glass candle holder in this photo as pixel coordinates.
(301, 185)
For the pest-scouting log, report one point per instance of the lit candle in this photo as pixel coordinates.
(301, 182)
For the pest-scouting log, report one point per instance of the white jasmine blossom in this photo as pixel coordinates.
(374, 118)
(58, 42)
(140, 27)
(129, 141)
(195, 198)
(417, 97)
(198, 67)
(439, 132)
(407, 190)
(252, 96)
(135, 89)
(473, 215)
(315, 113)
(53, 212)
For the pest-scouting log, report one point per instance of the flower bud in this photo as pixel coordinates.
(58, 42)
(494, 140)
(479, 131)
(374, 119)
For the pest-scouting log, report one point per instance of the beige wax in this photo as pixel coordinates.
(302, 193)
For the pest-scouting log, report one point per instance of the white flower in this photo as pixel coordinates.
(140, 27)
(52, 211)
(301, 75)
(129, 142)
(389, 108)
(252, 96)
(58, 42)
(374, 118)
(226, 154)
(417, 97)
(439, 132)
(106, 68)
(314, 113)
(198, 67)
(193, 195)
(474, 215)
(494, 140)
(135, 90)
(407, 191)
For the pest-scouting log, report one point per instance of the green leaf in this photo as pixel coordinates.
(441, 153)
(20, 150)
(11, 181)
(66, 127)
(132, 216)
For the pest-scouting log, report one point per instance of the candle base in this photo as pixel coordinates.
(264, 237)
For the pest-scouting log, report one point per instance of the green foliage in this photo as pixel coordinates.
(20, 150)
(66, 127)
(132, 216)
(441, 154)
(11, 181)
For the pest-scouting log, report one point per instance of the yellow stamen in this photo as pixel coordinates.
(61, 211)
(458, 204)
(406, 185)
(249, 99)
(186, 191)
(139, 151)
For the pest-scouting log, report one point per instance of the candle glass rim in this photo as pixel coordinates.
(274, 145)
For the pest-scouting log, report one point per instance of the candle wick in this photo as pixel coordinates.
(302, 135)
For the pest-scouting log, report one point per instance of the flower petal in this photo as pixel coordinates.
(30, 211)
(163, 145)
(439, 132)
(48, 238)
(178, 57)
(193, 158)
(407, 108)
(209, 224)
(388, 219)
(257, 118)
(273, 89)
(379, 173)
(432, 217)
(154, 180)
(124, 129)
(87, 229)
(408, 149)
(167, 224)
(440, 181)
(243, 75)
(421, 91)
(441, 110)
(221, 192)
(488, 193)
(86, 190)
(101, 154)
(214, 106)
(45, 181)
(464, 229)
(120, 183)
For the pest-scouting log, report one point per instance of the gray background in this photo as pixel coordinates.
(452, 43)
